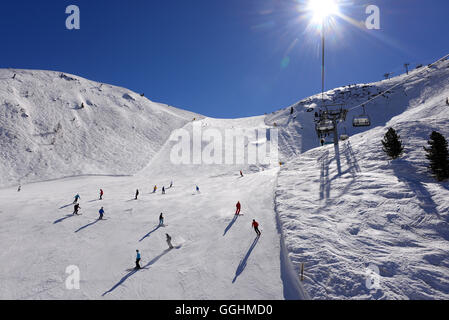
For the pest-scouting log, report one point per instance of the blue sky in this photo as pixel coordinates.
(230, 58)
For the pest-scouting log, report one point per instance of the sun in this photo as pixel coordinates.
(322, 9)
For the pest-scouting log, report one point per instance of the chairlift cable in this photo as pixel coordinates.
(400, 83)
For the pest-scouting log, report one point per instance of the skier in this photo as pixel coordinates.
(241, 173)
(291, 110)
(137, 259)
(76, 208)
(101, 212)
(322, 142)
(137, 193)
(169, 241)
(447, 101)
(101, 194)
(20, 188)
(163, 190)
(238, 206)
(197, 189)
(255, 225)
(171, 184)
(154, 189)
(77, 197)
(161, 220)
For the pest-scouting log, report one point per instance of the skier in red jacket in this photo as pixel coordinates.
(101, 194)
(238, 206)
(255, 225)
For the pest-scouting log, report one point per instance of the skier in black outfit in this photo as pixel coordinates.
(76, 208)
(163, 190)
(137, 193)
(170, 246)
(161, 220)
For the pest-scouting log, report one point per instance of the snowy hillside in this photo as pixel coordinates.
(345, 209)
(216, 255)
(54, 125)
(337, 211)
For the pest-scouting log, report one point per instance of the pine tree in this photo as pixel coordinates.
(392, 145)
(438, 156)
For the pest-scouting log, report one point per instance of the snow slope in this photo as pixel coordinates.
(45, 134)
(338, 211)
(215, 255)
(345, 209)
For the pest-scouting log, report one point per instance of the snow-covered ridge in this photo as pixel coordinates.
(54, 124)
(410, 92)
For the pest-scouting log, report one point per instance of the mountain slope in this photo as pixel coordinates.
(54, 124)
(216, 255)
(347, 210)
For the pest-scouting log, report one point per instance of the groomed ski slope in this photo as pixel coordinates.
(214, 256)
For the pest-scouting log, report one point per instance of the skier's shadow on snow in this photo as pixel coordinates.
(62, 219)
(122, 280)
(242, 264)
(67, 205)
(230, 224)
(87, 225)
(149, 233)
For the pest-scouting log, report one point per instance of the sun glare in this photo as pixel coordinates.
(322, 9)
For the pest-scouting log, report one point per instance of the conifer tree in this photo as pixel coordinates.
(392, 145)
(438, 156)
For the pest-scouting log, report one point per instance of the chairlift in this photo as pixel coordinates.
(325, 126)
(362, 120)
(344, 136)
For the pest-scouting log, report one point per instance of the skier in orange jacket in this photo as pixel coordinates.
(238, 206)
(255, 225)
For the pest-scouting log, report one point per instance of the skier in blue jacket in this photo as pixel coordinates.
(77, 197)
(101, 212)
(137, 259)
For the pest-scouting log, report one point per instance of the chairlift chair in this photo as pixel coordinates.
(362, 120)
(325, 126)
(344, 136)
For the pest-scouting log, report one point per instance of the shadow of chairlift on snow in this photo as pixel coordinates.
(242, 264)
(133, 271)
